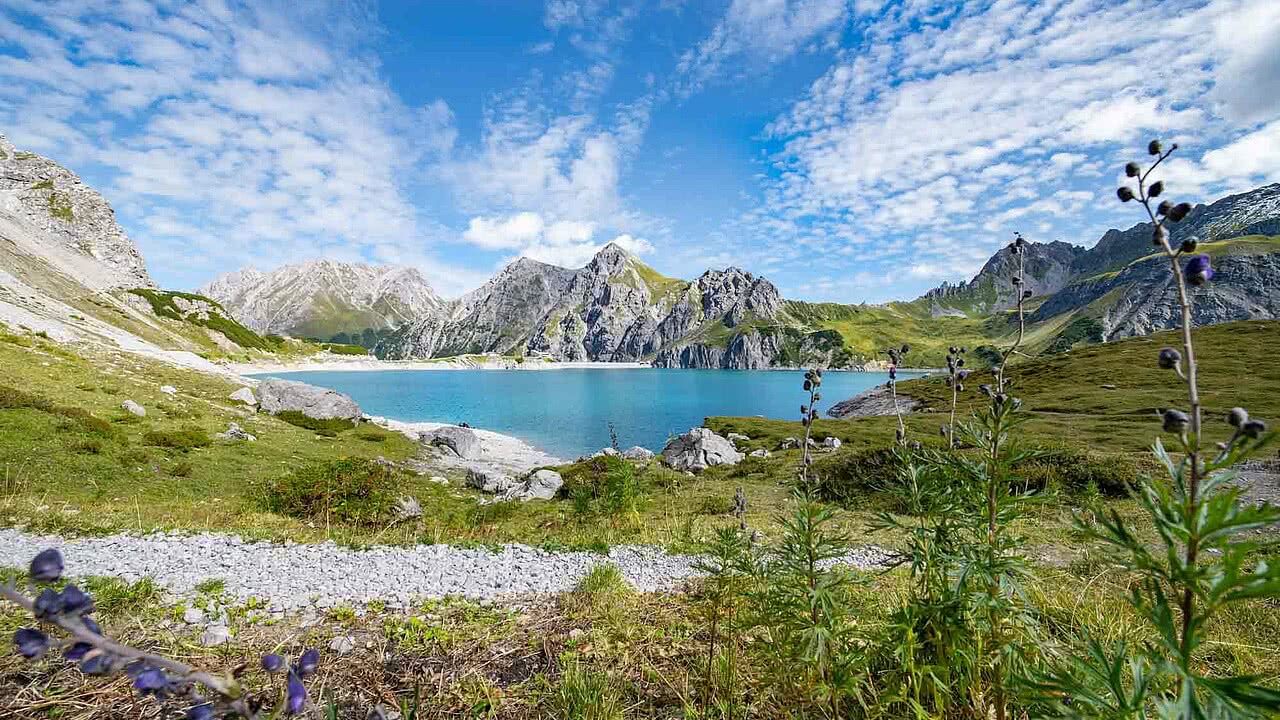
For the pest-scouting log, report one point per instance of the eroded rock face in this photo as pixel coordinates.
(873, 402)
(538, 485)
(244, 395)
(278, 396)
(489, 480)
(460, 441)
(699, 449)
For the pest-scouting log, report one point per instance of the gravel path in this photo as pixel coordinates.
(296, 576)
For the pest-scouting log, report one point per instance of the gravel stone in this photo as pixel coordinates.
(215, 635)
(295, 577)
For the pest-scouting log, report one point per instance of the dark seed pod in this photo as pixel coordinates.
(1189, 245)
(1164, 207)
(807, 385)
(1026, 294)
(1237, 417)
(1132, 169)
(1125, 193)
(1169, 358)
(46, 566)
(1254, 429)
(1153, 147)
(1179, 211)
(1175, 421)
(1156, 188)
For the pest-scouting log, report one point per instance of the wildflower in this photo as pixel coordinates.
(31, 643)
(201, 712)
(48, 603)
(1199, 270)
(1132, 169)
(1237, 417)
(98, 664)
(985, 389)
(1153, 147)
(308, 663)
(75, 601)
(149, 680)
(295, 696)
(46, 567)
(1254, 429)
(1169, 358)
(1156, 188)
(1175, 421)
(1124, 193)
(272, 663)
(1179, 211)
(77, 651)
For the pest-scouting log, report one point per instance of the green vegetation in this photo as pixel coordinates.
(182, 439)
(328, 427)
(355, 491)
(338, 349)
(43, 185)
(60, 207)
(164, 304)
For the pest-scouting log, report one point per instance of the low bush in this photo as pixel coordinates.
(846, 478)
(182, 439)
(606, 485)
(372, 434)
(353, 491)
(14, 399)
(329, 428)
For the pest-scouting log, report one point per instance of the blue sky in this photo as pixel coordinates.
(850, 150)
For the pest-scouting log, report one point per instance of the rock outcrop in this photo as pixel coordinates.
(277, 396)
(537, 485)
(460, 441)
(873, 402)
(699, 449)
(321, 298)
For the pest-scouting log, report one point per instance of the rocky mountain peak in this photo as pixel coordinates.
(732, 294)
(47, 211)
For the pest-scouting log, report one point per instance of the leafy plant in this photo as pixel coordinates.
(1199, 567)
(349, 490)
(328, 427)
(182, 439)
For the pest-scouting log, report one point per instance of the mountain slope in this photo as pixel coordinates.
(321, 298)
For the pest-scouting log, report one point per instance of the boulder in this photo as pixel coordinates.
(606, 452)
(407, 508)
(699, 449)
(489, 480)
(458, 440)
(831, 443)
(133, 408)
(235, 432)
(789, 443)
(639, 454)
(169, 390)
(537, 485)
(245, 395)
(317, 403)
(736, 438)
(761, 453)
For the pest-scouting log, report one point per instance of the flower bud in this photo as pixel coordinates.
(201, 712)
(1189, 245)
(807, 385)
(1164, 207)
(1254, 429)
(1169, 358)
(1175, 421)
(47, 604)
(308, 662)
(46, 567)
(1237, 417)
(1125, 193)
(1026, 294)
(272, 663)
(1156, 188)
(1132, 169)
(1153, 147)
(1199, 271)
(31, 644)
(1179, 211)
(75, 601)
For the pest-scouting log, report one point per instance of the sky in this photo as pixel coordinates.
(848, 150)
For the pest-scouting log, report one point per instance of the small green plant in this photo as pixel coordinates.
(60, 207)
(46, 184)
(606, 485)
(601, 579)
(353, 491)
(213, 587)
(182, 439)
(329, 427)
(586, 695)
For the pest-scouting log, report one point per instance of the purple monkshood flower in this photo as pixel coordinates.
(48, 603)
(149, 680)
(76, 601)
(46, 566)
(308, 663)
(100, 664)
(31, 643)
(272, 663)
(77, 651)
(201, 712)
(295, 695)
(1199, 270)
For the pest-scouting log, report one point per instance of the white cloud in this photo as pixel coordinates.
(1247, 43)
(513, 232)
(229, 134)
(567, 243)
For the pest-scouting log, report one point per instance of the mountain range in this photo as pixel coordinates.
(68, 269)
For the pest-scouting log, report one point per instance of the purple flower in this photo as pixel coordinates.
(75, 601)
(1175, 421)
(1237, 417)
(149, 680)
(308, 663)
(201, 712)
(1254, 429)
(295, 695)
(77, 651)
(1169, 358)
(47, 566)
(91, 625)
(272, 663)
(31, 643)
(1199, 271)
(99, 664)
(48, 603)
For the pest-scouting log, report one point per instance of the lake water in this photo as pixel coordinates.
(567, 412)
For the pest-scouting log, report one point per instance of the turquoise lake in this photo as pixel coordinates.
(567, 412)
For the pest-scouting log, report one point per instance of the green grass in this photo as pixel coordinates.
(340, 349)
(42, 185)
(162, 303)
(327, 426)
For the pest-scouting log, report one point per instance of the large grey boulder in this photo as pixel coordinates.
(244, 395)
(458, 440)
(133, 408)
(699, 449)
(319, 403)
(538, 485)
(489, 480)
